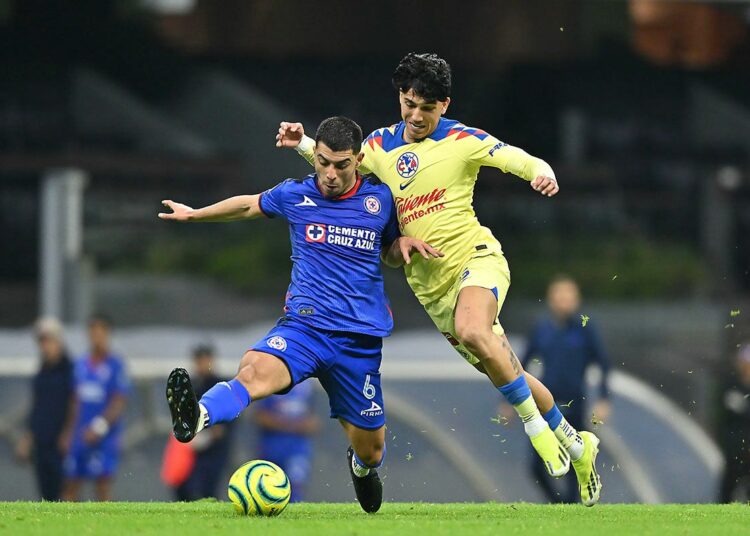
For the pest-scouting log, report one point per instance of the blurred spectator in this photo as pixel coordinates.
(287, 424)
(567, 343)
(52, 410)
(211, 448)
(735, 430)
(102, 388)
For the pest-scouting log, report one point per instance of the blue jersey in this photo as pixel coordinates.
(567, 348)
(96, 383)
(336, 280)
(296, 405)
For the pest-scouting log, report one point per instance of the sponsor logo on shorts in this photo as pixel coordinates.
(372, 204)
(373, 411)
(451, 338)
(276, 342)
(465, 275)
(306, 311)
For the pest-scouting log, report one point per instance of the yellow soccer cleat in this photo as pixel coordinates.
(555, 457)
(589, 481)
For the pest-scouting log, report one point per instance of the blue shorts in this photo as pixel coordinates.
(91, 462)
(347, 365)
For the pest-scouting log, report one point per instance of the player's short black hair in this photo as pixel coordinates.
(101, 318)
(427, 74)
(340, 133)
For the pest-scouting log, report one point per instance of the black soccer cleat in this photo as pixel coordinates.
(369, 489)
(183, 405)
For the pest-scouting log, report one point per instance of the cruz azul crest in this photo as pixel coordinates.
(372, 205)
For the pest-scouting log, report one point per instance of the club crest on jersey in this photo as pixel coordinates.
(276, 342)
(315, 232)
(407, 165)
(372, 204)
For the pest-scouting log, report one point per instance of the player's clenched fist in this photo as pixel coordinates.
(179, 212)
(289, 134)
(545, 185)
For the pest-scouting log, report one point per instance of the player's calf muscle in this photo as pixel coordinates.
(368, 444)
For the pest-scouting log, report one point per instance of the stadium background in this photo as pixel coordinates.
(643, 109)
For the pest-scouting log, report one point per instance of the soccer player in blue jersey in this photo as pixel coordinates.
(286, 424)
(101, 387)
(341, 225)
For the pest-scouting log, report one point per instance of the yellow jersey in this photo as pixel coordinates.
(432, 182)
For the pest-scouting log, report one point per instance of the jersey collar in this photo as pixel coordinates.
(346, 195)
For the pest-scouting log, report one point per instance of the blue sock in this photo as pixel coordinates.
(553, 417)
(516, 391)
(225, 401)
(363, 464)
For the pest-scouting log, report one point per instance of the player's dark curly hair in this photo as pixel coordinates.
(339, 134)
(427, 74)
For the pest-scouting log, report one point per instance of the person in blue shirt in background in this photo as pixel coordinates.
(287, 424)
(102, 386)
(567, 343)
(52, 410)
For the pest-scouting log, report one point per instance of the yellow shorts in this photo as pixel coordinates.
(489, 271)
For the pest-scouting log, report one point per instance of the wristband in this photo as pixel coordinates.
(306, 145)
(99, 426)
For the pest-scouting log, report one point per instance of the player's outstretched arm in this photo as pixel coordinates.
(240, 207)
(401, 250)
(492, 152)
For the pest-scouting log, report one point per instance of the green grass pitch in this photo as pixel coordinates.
(211, 517)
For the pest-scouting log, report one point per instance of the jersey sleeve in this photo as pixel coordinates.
(306, 149)
(487, 150)
(391, 231)
(367, 166)
(272, 200)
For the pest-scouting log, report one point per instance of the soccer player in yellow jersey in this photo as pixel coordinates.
(430, 163)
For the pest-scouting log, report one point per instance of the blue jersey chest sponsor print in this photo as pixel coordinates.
(336, 243)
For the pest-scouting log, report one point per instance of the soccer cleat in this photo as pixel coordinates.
(369, 489)
(589, 481)
(183, 405)
(556, 459)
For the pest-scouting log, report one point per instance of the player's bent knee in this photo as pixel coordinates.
(247, 372)
(473, 336)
